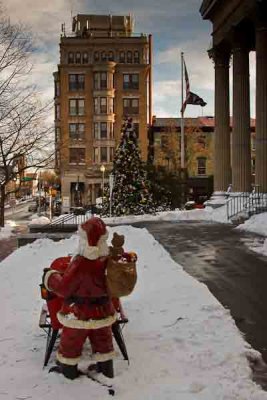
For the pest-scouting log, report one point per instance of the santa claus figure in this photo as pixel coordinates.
(87, 311)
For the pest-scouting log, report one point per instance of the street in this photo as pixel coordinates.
(19, 214)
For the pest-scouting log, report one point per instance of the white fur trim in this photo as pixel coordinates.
(92, 252)
(47, 276)
(66, 360)
(103, 356)
(70, 321)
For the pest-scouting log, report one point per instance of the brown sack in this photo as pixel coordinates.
(121, 277)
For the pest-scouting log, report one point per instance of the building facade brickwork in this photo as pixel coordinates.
(104, 74)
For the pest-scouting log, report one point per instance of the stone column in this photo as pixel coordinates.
(222, 165)
(261, 107)
(241, 140)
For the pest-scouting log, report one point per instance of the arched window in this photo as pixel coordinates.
(70, 57)
(78, 58)
(85, 58)
(111, 56)
(136, 57)
(96, 56)
(129, 57)
(122, 57)
(103, 56)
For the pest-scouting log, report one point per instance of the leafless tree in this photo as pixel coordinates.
(25, 138)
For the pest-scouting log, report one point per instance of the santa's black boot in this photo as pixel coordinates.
(70, 371)
(106, 368)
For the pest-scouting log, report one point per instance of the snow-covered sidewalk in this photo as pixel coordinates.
(182, 343)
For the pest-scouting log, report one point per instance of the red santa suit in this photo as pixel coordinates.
(87, 310)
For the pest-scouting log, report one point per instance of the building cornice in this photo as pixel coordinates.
(207, 7)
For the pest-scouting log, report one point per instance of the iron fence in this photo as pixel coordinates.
(247, 204)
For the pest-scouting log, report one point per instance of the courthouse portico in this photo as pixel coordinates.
(239, 26)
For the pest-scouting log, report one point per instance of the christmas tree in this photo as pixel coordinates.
(131, 192)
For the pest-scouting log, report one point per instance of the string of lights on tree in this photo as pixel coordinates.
(131, 192)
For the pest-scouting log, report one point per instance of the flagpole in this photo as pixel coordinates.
(182, 112)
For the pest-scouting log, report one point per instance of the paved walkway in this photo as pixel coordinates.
(217, 255)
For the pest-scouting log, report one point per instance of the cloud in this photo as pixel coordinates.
(175, 26)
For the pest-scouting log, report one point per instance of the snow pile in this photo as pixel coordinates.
(42, 220)
(182, 343)
(7, 230)
(256, 223)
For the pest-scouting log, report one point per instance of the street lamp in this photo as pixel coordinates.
(111, 183)
(103, 169)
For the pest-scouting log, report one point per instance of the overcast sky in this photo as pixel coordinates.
(176, 25)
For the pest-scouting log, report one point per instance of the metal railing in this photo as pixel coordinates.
(247, 204)
(71, 219)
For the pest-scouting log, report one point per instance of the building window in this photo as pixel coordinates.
(111, 105)
(96, 155)
(96, 131)
(130, 106)
(201, 166)
(96, 56)
(201, 140)
(76, 82)
(77, 131)
(103, 56)
(78, 58)
(85, 58)
(103, 105)
(111, 56)
(130, 81)
(103, 130)
(253, 166)
(103, 154)
(57, 111)
(57, 138)
(100, 80)
(70, 58)
(103, 80)
(57, 89)
(111, 154)
(136, 57)
(95, 105)
(111, 130)
(122, 57)
(76, 107)
(77, 155)
(129, 57)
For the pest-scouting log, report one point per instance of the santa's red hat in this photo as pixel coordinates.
(94, 229)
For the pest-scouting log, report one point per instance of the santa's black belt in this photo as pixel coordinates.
(90, 301)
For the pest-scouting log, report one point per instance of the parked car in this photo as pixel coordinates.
(33, 207)
(78, 210)
(191, 205)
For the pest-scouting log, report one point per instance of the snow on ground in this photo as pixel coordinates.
(182, 343)
(7, 230)
(257, 224)
(207, 214)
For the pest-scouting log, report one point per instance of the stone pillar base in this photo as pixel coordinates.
(218, 199)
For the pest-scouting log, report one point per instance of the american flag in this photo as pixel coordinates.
(190, 98)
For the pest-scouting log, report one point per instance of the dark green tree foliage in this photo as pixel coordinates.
(131, 192)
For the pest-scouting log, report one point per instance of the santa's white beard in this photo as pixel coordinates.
(92, 252)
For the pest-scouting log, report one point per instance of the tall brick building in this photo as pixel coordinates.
(104, 74)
